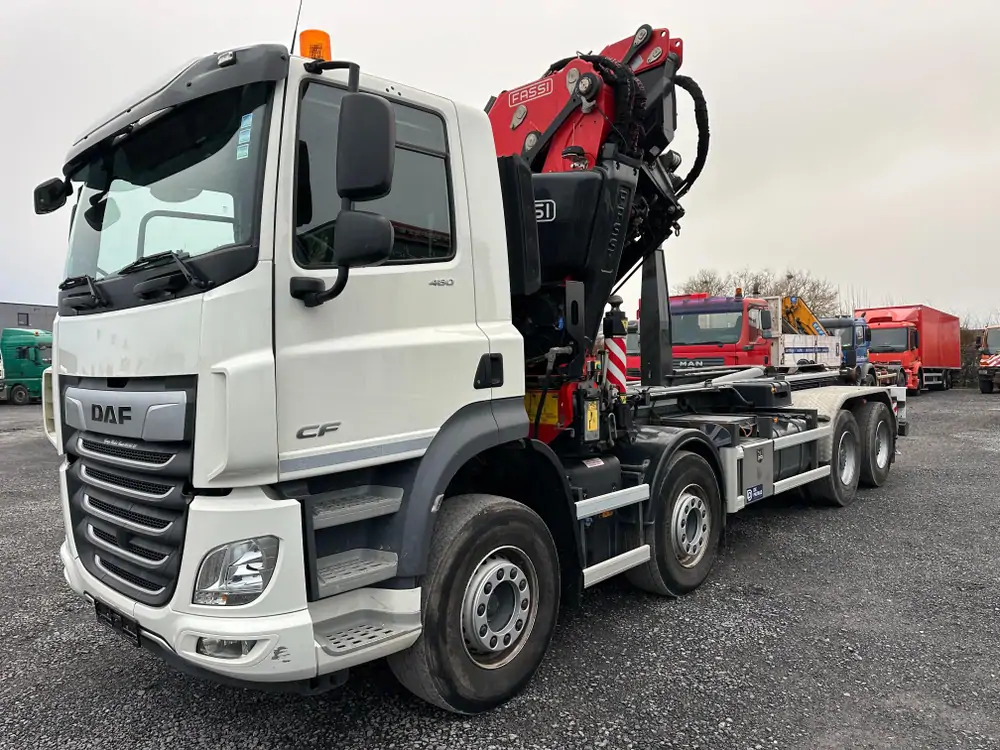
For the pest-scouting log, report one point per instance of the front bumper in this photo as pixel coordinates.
(301, 646)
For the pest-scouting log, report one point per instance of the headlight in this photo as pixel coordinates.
(236, 573)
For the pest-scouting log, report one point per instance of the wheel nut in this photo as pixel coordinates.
(493, 642)
(481, 610)
(482, 632)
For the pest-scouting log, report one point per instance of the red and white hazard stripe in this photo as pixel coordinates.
(990, 360)
(615, 348)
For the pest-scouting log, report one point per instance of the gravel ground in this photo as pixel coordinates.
(876, 626)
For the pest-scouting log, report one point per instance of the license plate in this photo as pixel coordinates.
(126, 627)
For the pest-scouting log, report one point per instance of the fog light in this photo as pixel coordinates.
(236, 573)
(223, 648)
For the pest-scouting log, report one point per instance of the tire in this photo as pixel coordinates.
(946, 380)
(688, 494)
(920, 385)
(845, 444)
(985, 386)
(877, 442)
(19, 396)
(901, 379)
(477, 537)
(869, 379)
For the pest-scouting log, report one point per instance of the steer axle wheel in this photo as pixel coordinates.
(490, 600)
(19, 395)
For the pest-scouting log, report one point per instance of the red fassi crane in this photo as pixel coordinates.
(589, 143)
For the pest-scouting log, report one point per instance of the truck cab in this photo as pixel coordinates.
(855, 339)
(719, 331)
(896, 344)
(24, 354)
(988, 347)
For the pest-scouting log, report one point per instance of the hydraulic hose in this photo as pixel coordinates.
(701, 122)
(701, 156)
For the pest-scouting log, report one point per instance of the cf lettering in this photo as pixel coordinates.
(316, 430)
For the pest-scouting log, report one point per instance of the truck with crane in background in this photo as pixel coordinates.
(749, 331)
(240, 503)
(925, 343)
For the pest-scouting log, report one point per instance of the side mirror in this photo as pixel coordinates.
(362, 238)
(916, 339)
(765, 320)
(51, 195)
(868, 335)
(366, 147)
(979, 342)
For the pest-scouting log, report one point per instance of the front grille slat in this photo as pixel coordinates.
(129, 497)
(126, 454)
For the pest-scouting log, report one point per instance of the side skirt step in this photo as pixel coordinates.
(615, 565)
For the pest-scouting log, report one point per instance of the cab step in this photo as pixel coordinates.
(355, 504)
(354, 569)
(341, 639)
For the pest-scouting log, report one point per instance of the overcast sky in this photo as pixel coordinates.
(859, 139)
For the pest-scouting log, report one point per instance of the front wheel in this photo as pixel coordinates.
(490, 601)
(986, 385)
(869, 379)
(687, 525)
(19, 395)
(840, 486)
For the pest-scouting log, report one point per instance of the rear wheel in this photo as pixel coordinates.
(877, 442)
(840, 486)
(490, 601)
(19, 395)
(986, 385)
(687, 524)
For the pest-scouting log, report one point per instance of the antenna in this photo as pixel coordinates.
(295, 31)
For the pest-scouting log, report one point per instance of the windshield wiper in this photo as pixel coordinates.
(189, 272)
(95, 299)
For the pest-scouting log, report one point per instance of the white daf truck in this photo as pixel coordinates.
(324, 385)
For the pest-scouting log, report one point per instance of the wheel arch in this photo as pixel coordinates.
(658, 444)
(529, 472)
(470, 432)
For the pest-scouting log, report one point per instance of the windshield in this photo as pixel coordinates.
(692, 327)
(992, 341)
(185, 180)
(889, 340)
(846, 336)
(632, 343)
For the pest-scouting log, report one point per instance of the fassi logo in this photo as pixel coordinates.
(530, 92)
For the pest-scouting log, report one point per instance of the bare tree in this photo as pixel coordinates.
(821, 295)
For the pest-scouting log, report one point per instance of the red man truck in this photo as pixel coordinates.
(922, 340)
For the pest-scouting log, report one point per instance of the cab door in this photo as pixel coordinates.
(371, 375)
